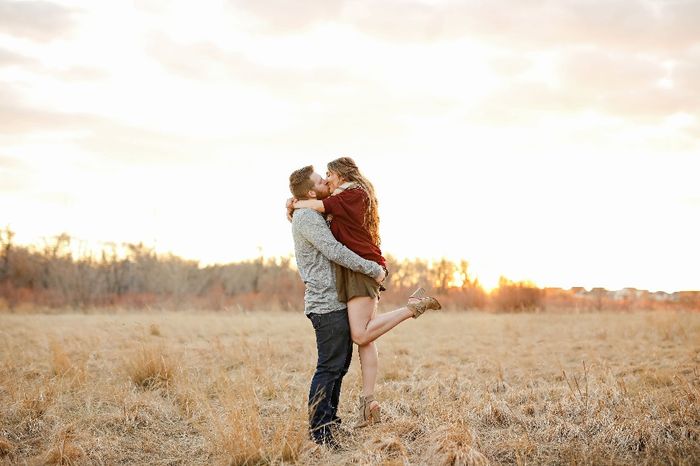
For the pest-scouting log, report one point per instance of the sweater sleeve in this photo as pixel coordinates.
(314, 229)
(343, 204)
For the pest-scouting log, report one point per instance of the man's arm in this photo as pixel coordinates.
(314, 229)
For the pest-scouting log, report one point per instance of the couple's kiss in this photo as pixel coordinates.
(341, 264)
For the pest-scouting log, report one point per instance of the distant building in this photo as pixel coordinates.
(630, 293)
(661, 296)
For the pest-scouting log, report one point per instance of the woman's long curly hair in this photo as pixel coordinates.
(345, 168)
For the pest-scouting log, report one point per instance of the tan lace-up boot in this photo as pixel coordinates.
(370, 412)
(418, 303)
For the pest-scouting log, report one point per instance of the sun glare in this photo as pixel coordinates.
(457, 281)
(488, 284)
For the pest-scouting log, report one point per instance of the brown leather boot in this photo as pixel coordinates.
(370, 412)
(418, 303)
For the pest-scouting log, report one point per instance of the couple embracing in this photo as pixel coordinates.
(335, 224)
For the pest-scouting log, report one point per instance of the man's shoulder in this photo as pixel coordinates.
(302, 216)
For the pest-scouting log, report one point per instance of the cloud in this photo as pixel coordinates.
(100, 136)
(523, 101)
(595, 70)
(609, 55)
(325, 102)
(613, 82)
(207, 61)
(36, 20)
(686, 72)
(11, 183)
(9, 58)
(510, 64)
(290, 17)
(78, 73)
(32, 65)
(19, 118)
(625, 24)
(629, 85)
(130, 145)
(630, 24)
(7, 163)
(14, 174)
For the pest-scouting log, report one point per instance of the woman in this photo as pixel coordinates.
(354, 221)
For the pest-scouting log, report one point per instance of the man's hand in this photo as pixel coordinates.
(380, 279)
(290, 208)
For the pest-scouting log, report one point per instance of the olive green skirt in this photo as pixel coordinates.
(351, 284)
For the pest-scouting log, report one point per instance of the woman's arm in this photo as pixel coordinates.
(314, 204)
(314, 230)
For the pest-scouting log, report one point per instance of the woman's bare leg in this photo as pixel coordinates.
(360, 312)
(369, 364)
(366, 326)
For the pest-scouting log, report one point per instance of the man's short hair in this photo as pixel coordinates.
(300, 182)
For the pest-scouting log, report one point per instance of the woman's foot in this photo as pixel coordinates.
(370, 411)
(418, 303)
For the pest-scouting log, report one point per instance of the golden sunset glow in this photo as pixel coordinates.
(564, 150)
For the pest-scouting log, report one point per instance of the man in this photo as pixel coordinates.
(315, 248)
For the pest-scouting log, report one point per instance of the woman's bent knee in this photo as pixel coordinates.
(360, 339)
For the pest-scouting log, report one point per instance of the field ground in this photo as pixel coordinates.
(456, 388)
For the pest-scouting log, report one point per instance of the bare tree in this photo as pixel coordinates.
(6, 238)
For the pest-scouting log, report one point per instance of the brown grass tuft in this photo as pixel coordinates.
(36, 402)
(60, 362)
(290, 438)
(453, 445)
(65, 451)
(237, 426)
(150, 367)
(64, 454)
(388, 445)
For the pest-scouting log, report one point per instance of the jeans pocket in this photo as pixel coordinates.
(314, 318)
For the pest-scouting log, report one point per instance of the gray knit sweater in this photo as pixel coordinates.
(315, 248)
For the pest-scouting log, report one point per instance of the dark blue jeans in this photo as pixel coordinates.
(334, 346)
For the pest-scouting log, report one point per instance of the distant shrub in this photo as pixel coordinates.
(516, 296)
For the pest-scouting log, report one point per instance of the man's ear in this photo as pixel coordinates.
(312, 194)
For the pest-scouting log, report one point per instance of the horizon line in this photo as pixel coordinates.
(103, 246)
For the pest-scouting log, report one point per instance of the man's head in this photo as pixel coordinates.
(307, 184)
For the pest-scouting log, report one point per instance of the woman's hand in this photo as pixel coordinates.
(290, 208)
(382, 276)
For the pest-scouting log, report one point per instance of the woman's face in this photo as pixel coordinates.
(334, 180)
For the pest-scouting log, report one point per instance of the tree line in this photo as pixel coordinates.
(134, 276)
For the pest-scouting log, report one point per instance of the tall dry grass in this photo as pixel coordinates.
(456, 388)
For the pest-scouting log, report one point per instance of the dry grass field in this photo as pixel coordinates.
(456, 388)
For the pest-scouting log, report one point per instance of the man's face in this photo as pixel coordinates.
(320, 186)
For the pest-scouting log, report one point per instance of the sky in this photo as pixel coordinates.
(553, 141)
